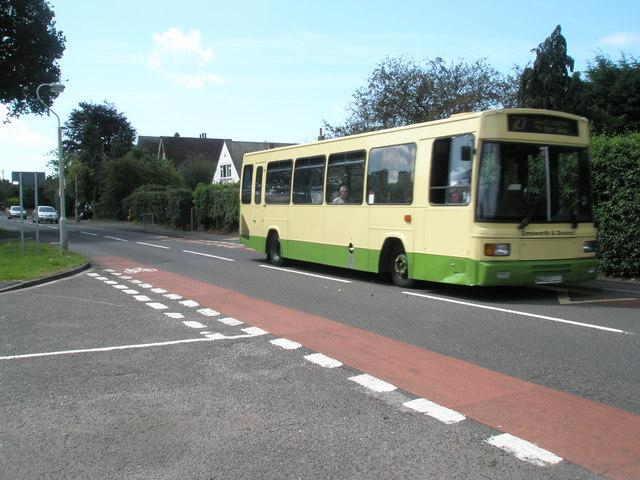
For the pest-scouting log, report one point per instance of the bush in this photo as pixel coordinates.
(616, 189)
(217, 205)
(169, 207)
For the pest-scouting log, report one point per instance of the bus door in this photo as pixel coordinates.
(273, 212)
(448, 219)
(345, 242)
(252, 207)
(306, 224)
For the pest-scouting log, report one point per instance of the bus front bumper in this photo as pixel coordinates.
(536, 272)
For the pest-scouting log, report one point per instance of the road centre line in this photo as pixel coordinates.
(209, 255)
(89, 233)
(153, 245)
(516, 312)
(305, 273)
(116, 238)
(106, 349)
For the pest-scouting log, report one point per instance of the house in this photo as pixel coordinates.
(226, 155)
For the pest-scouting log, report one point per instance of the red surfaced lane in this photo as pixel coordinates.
(600, 438)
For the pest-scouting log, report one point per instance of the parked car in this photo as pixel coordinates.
(14, 212)
(45, 213)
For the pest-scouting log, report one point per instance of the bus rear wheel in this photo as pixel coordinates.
(274, 250)
(399, 267)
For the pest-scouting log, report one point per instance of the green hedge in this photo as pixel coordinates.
(217, 206)
(616, 191)
(171, 207)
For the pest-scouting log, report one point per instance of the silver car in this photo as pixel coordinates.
(14, 212)
(44, 213)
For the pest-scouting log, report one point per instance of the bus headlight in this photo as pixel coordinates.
(589, 247)
(497, 249)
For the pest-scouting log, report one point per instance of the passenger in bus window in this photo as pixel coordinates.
(344, 196)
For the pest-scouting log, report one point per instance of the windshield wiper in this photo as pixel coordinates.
(532, 210)
(573, 211)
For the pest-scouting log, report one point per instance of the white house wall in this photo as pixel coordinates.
(225, 159)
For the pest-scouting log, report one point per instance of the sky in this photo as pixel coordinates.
(276, 70)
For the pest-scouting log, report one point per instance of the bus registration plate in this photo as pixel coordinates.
(549, 279)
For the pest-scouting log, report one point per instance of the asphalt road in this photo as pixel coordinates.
(201, 398)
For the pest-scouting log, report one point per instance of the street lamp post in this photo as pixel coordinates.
(58, 88)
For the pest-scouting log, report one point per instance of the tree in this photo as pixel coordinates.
(611, 95)
(102, 126)
(94, 134)
(548, 84)
(195, 170)
(124, 175)
(402, 92)
(30, 46)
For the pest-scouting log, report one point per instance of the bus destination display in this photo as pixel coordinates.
(531, 123)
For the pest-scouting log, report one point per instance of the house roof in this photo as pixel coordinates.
(238, 149)
(180, 149)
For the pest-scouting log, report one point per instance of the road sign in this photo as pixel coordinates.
(28, 179)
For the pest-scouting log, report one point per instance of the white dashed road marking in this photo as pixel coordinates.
(286, 344)
(518, 447)
(373, 383)
(189, 303)
(210, 256)
(192, 324)
(157, 306)
(230, 321)
(434, 410)
(524, 450)
(153, 245)
(323, 360)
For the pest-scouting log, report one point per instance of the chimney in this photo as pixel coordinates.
(321, 136)
(203, 135)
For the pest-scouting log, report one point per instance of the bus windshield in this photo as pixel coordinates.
(529, 183)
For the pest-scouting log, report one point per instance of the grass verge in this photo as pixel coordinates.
(34, 262)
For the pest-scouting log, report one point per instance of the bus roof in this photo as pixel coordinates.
(453, 118)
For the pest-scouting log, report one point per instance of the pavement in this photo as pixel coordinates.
(8, 285)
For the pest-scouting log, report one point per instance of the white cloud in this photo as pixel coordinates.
(18, 132)
(183, 58)
(622, 39)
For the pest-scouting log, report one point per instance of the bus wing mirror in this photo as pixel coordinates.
(465, 153)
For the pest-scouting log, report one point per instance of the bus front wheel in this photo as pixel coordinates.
(399, 267)
(274, 251)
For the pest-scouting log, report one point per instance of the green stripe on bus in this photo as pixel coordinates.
(440, 268)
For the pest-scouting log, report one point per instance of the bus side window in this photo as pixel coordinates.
(451, 171)
(345, 170)
(247, 175)
(278, 182)
(308, 178)
(390, 174)
(257, 199)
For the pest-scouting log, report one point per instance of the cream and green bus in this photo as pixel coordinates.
(499, 197)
